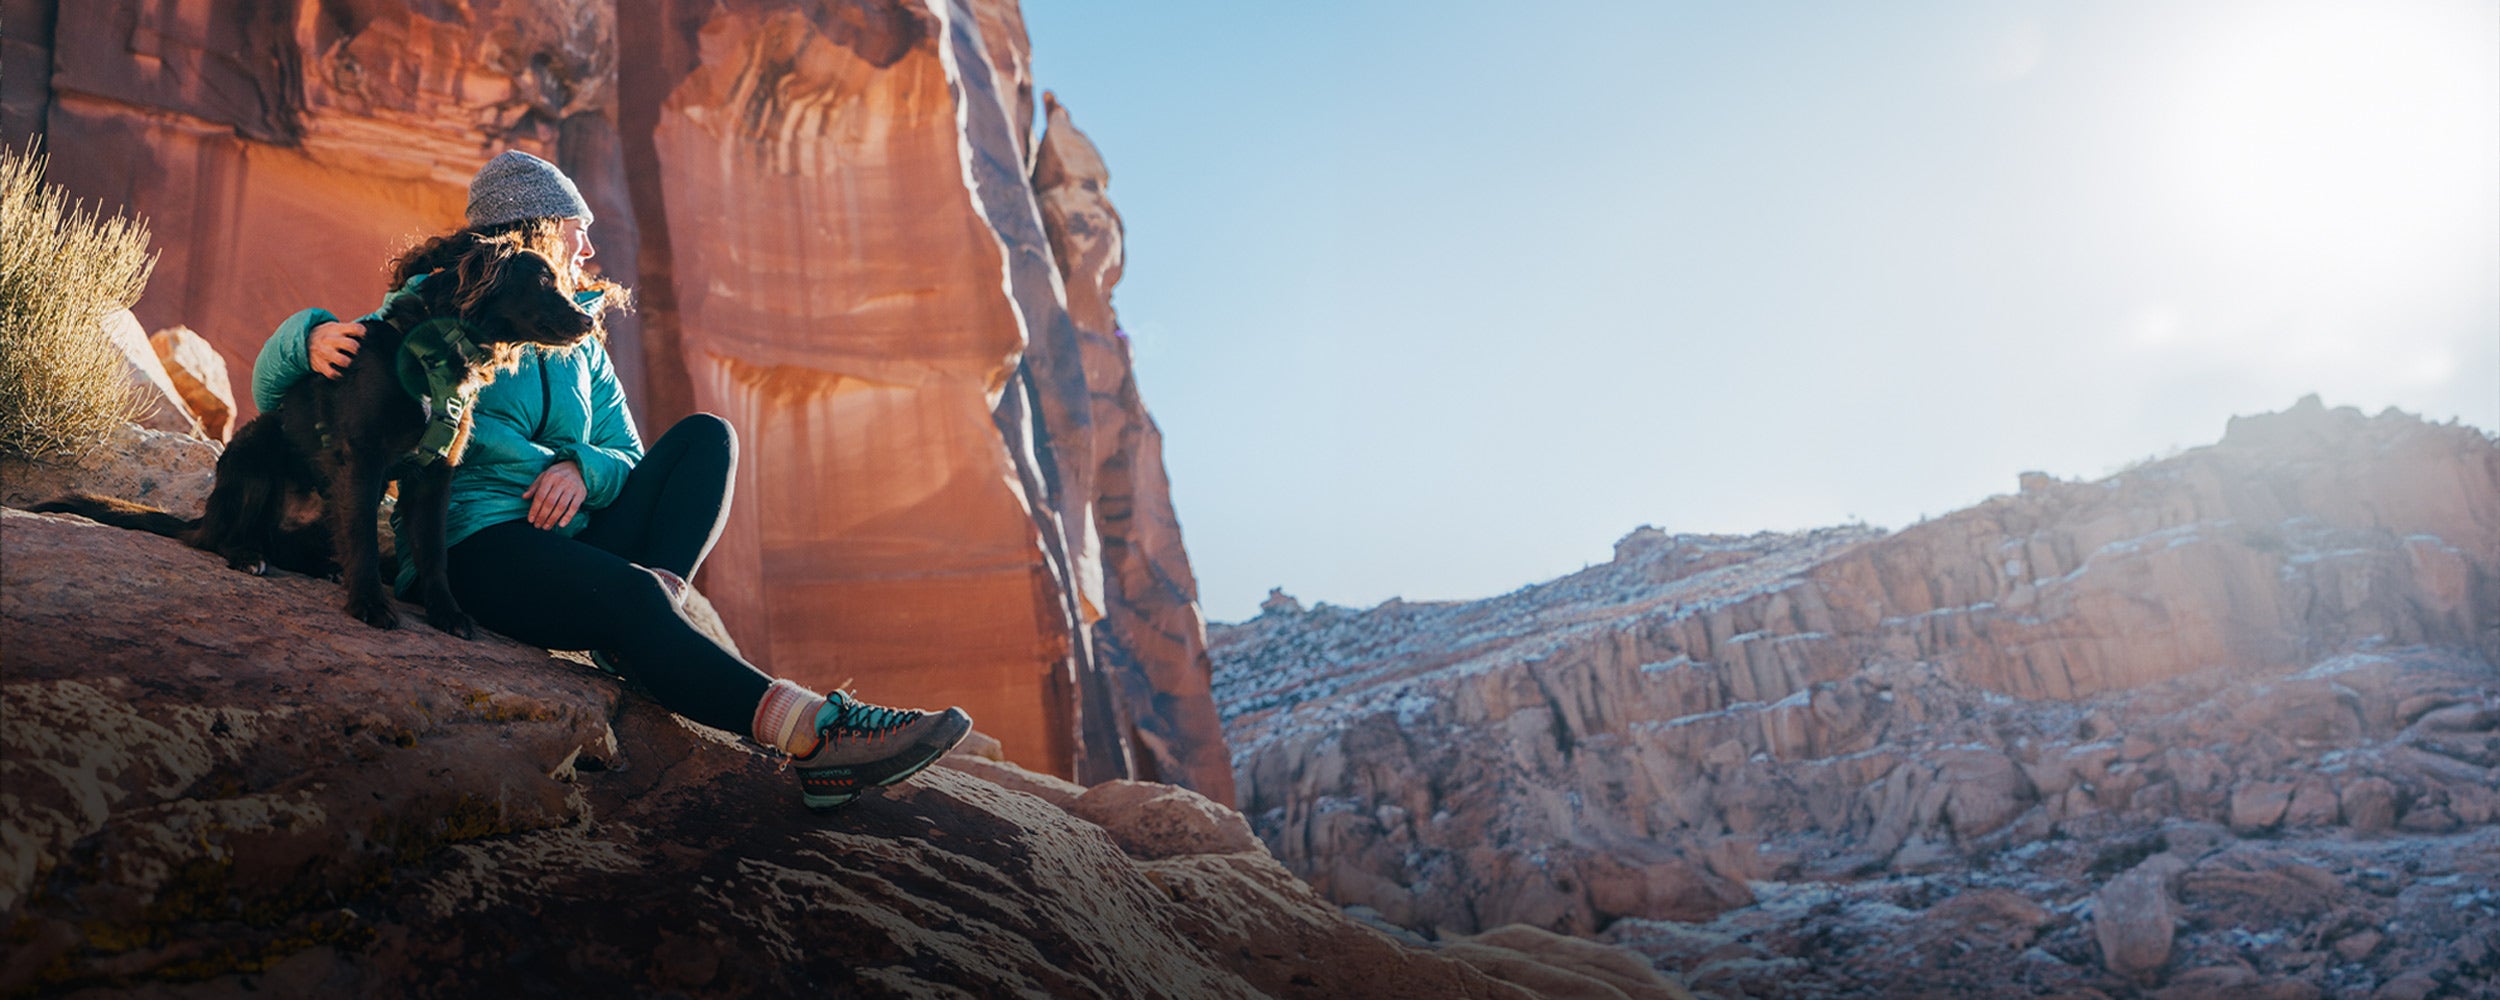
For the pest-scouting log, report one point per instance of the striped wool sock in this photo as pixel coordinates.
(786, 718)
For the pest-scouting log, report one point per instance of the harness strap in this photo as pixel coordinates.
(434, 360)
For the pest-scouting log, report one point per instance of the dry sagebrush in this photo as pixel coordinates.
(62, 267)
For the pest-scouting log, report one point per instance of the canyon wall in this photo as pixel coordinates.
(828, 213)
(2284, 642)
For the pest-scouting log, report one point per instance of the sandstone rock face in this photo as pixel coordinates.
(829, 216)
(198, 372)
(1806, 741)
(217, 783)
(844, 310)
(1152, 639)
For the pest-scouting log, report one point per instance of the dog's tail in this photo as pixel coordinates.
(120, 513)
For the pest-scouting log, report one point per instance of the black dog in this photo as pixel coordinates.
(342, 440)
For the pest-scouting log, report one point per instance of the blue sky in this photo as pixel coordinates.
(1436, 300)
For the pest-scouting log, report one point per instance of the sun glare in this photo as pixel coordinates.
(2347, 138)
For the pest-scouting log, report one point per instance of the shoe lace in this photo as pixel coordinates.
(855, 718)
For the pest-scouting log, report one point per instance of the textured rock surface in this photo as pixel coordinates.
(1556, 966)
(2287, 636)
(215, 783)
(198, 372)
(828, 216)
(1153, 637)
(158, 468)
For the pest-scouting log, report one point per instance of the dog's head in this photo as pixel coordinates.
(509, 295)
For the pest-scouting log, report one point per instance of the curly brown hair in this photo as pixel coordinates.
(460, 252)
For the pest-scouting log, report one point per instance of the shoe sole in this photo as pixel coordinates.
(952, 729)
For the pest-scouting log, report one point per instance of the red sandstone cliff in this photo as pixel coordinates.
(827, 213)
(2226, 721)
(1152, 637)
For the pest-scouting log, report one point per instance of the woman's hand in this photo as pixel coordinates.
(332, 346)
(556, 495)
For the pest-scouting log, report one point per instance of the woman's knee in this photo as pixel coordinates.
(707, 430)
(640, 590)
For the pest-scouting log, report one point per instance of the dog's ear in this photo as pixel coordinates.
(475, 277)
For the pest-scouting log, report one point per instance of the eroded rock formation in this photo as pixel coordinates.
(217, 783)
(828, 213)
(2289, 636)
(1152, 640)
(198, 372)
(842, 305)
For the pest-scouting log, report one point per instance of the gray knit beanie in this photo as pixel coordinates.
(516, 185)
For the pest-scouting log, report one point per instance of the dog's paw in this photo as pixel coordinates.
(454, 621)
(249, 562)
(375, 612)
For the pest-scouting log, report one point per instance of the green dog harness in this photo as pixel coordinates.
(434, 359)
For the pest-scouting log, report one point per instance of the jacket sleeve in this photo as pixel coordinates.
(286, 359)
(610, 446)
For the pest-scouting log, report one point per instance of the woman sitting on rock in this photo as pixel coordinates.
(565, 533)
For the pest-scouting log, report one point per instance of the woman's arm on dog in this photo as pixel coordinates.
(333, 345)
(287, 358)
(611, 447)
(311, 342)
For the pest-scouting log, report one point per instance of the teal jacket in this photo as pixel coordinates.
(557, 405)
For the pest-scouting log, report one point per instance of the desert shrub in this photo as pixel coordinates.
(62, 267)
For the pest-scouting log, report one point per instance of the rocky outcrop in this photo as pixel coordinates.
(156, 403)
(198, 373)
(828, 214)
(162, 469)
(2182, 909)
(216, 783)
(2259, 637)
(1152, 637)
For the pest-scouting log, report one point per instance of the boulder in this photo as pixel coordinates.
(2313, 803)
(169, 470)
(2134, 917)
(198, 372)
(2259, 805)
(1587, 968)
(2368, 805)
(157, 402)
(1152, 822)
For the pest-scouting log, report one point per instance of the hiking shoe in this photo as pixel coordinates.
(868, 746)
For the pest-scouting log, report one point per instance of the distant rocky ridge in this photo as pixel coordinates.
(2227, 721)
(844, 237)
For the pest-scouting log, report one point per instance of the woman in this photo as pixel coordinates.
(565, 533)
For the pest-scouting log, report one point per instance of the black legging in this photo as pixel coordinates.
(591, 591)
